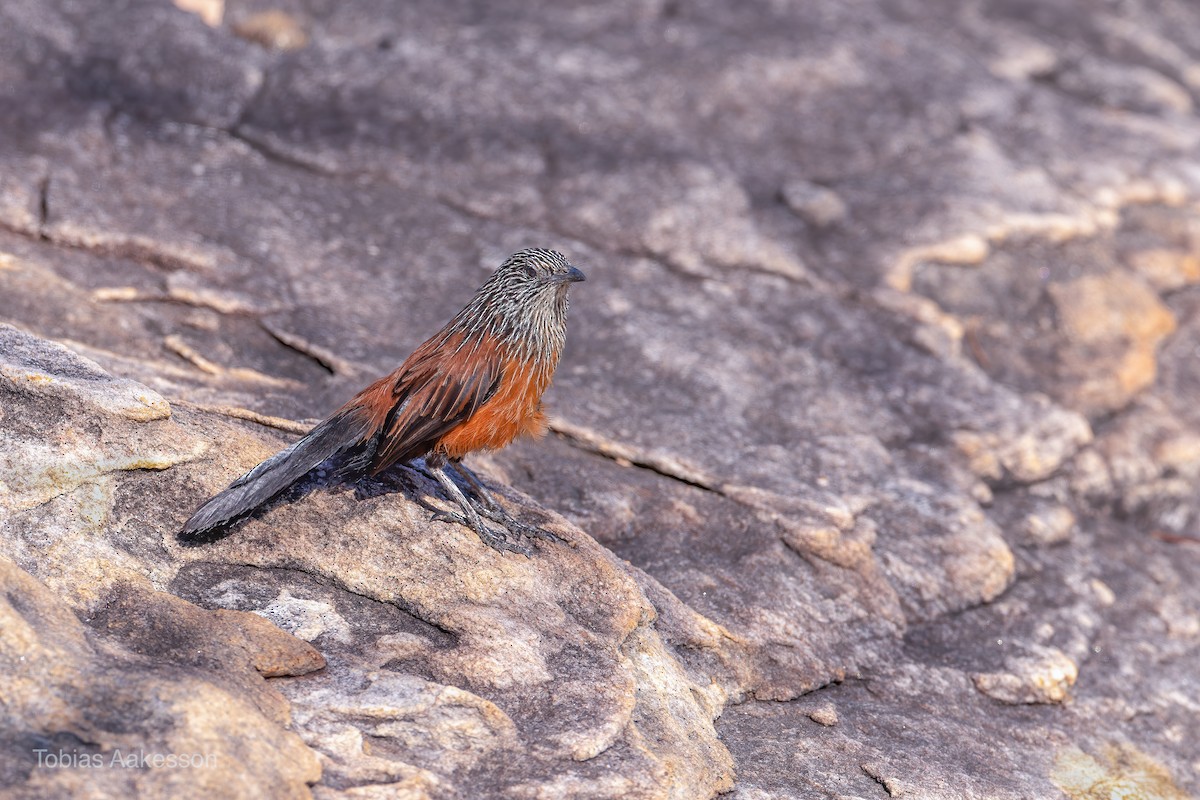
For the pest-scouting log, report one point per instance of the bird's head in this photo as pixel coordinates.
(538, 271)
(524, 301)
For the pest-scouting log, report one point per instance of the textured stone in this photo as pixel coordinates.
(1121, 770)
(880, 392)
(1044, 676)
(210, 11)
(32, 367)
(273, 29)
(1120, 317)
(592, 685)
(815, 204)
(1050, 524)
(83, 708)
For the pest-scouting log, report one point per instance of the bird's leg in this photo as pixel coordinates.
(470, 517)
(481, 493)
(488, 507)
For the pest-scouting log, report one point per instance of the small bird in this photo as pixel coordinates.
(476, 384)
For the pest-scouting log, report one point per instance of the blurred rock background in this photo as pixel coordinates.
(875, 440)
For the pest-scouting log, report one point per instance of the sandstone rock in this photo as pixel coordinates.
(1167, 269)
(85, 712)
(1050, 524)
(816, 204)
(210, 11)
(1110, 314)
(1121, 769)
(1044, 676)
(842, 448)
(273, 29)
(694, 218)
(825, 715)
(587, 683)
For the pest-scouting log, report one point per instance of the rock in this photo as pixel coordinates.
(162, 626)
(85, 711)
(1049, 525)
(514, 633)
(1167, 269)
(1117, 316)
(688, 215)
(210, 11)
(33, 367)
(966, 250)
(1044, 676)
(1144, 90)
(878, 401)
(1034, 453)
(1121, 769)
(815, 204)
(273, 29)
(825, 715)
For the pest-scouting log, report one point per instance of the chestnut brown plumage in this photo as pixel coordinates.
(476, 384)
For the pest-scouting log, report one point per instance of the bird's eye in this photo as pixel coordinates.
(530, 272)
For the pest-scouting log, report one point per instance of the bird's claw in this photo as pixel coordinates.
(515, 526)
(480, 507)
(497, 540)
(501, 543)
(449, 516)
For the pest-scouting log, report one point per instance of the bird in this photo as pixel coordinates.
(475, 385)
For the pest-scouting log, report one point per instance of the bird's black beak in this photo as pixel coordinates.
(572, 275)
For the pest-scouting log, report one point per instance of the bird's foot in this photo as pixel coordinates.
(497, 540)
(498, 515)
(475, 510)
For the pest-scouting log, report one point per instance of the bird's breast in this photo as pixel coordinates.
(514, 410)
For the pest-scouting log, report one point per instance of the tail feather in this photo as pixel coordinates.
(270, 478)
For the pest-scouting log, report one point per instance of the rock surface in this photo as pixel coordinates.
(875, 444)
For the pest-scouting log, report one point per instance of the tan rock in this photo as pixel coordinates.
(1049, 524)
(1167, 269)
(1113, 324)
(83, 698)
(1044, 675)
(210, 11)
(274, 29)
(824, 715)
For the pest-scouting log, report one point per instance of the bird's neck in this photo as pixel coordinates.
(533, 330)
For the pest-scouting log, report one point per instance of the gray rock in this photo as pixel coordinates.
(815, 204)
(882, 486)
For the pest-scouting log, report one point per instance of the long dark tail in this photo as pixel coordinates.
(335, 435)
